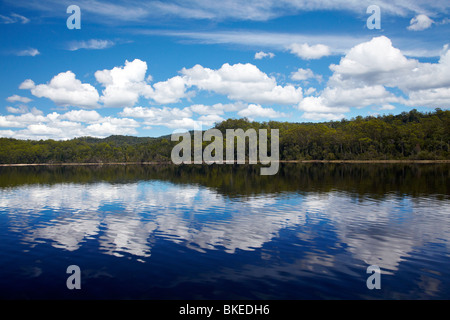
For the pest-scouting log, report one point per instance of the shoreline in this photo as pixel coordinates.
(280, 161)
(366, 161)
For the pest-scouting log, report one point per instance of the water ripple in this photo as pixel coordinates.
(312, 240)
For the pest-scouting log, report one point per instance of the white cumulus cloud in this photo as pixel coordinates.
(76, 123)
(81, 116)
(17, 98)
(242, 82)
(124, 85)
(261, 55)
(65, 90)
(170, 91)
(19, 109)
(305, 74)
(370, 73)
(256, 111)
(420, 22)
(372, 60)
(308, 52)
(165, 116)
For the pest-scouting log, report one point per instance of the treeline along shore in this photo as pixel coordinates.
(407, 137)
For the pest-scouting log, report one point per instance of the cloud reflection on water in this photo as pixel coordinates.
(125, 217)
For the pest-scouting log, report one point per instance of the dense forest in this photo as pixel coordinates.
(408, 136)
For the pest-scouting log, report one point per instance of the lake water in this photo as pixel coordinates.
(224, 232)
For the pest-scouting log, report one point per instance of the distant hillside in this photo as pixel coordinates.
(117, 140)
(408, 136)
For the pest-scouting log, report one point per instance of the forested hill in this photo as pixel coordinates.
(408, 136)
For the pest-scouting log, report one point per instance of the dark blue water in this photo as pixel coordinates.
(153, 238)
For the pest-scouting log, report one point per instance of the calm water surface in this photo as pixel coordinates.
(146, 232)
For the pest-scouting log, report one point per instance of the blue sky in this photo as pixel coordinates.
(147, 68)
